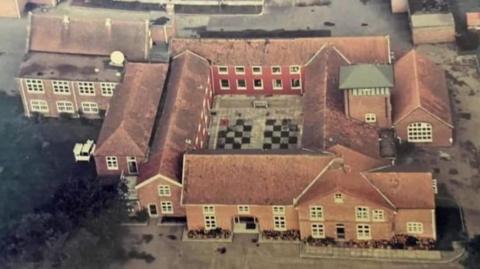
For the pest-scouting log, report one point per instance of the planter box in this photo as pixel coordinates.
(185, 238)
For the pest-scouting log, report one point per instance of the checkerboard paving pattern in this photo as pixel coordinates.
(234, 136)
(281, 134)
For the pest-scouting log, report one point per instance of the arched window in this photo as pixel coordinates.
(420, 132)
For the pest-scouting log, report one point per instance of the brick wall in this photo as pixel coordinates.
(428, 35)
(358, 106)
(399, 6)
(101, 165)
(424, 216)
(162, 33)
(441, 132)
(148, 194)
(249, 77)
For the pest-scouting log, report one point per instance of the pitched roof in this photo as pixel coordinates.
(406, 190)
(89, 36)
(366, 76)
(357, 160)
(420, 83)
(187, 83)
(128, 125)
(324, 121)
(283, 51)
(257, 178)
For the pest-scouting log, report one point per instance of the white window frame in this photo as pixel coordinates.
(279, 223)
(338, 197)
(317, 230)
(210, 222)
(370, 117)
(279, 70)
(107, 88)
(90, 108)
(299, 87)
(62, 106)
(414, 227)
(112, 162)
(134, 160)
(241, 71)
(243, 87)
(243, 209)
(166, 207)
(219, 69)
(258, 72)
(278, 210)
(38, 105)
(61, 87)
(257, 87)
(150, 212)
(208, 209)
(274, 86)
(417, 134)
(435, 186)
(316, 212)
(378, 215)
(362, 213)
(364, 232)
(35, 86)
(164, 190)
(223, 87)
(86, 88)
(292, 68)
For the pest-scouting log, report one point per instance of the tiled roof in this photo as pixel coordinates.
(68, 67)
(256, 178)
(128, 125)
(420, 83)
(180, 116)
(283, 51)
(357, 160)
(325, 123)
(89, 36)
(366, 76)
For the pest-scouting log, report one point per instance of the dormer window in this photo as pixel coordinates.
(338, 198)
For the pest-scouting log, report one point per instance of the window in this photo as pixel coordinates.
(435, 186)
(278, 210)
(258, 84)
(414, 227)
(107, 88)
(257, 70)
(208, 209)
(276, 70)
(152, 210)
(65, 107)
(132, 165)
(61, 87)
(210, 222)
(363, 232)
(378, 215)
(279, 223)
(295, 83)
(338, 198)
(34, 86)
(370, 118)
(277, 84)
(316, 213)
(361, 213)
(112, 162)
(223, 70)
(419, 132)
(164, 190)
(294, 69)
(243, 209)
(241, 84)
(318, 230)
(166, 207)
(239, 70)
(89, 108)
(86, 88)
(224, 84)
(39, 105)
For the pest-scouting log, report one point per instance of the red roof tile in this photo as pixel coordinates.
(89, 36)
(128, 125)
(420, 83)
(187, 83)
(283, 51)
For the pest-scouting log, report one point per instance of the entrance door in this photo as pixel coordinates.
(340, 232)
(245, 224)
(132, 165)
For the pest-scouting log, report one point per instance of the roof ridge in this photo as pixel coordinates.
(415, 73)
(384, 196)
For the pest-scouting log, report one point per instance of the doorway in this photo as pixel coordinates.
(245, 224)
(340, 232)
